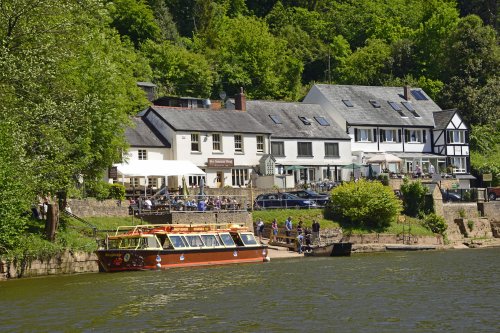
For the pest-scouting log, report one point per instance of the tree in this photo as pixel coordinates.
(178, 71)
(413, 197)
(135, 20)
(364, 204)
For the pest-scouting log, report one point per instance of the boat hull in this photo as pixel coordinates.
(133, 260)
(331, 250)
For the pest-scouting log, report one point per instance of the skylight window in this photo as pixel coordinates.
(276, 119)
(305, 120)
(375, 104)
(419, 95)
(348, 103)
(397, 108)
(322, 121)
(410, 108)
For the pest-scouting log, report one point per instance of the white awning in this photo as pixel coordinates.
(161, 168)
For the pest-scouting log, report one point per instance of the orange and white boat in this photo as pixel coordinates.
(143, 247)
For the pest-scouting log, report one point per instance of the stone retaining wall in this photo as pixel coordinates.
(92, 207)
(65, 263)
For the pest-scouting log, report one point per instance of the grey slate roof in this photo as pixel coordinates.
(292, 126)
(363, 113)
(233, 121)
(141, 134)
(443, 118)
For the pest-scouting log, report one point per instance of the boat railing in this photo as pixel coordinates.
(179, 228)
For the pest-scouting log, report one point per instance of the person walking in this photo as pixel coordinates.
(274, 227)
(260, 229)
(288, 229)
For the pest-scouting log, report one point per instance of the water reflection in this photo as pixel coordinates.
(390, 292)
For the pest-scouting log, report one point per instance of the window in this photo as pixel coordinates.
(322, 121)
(239, 176)
(153, 182)
(410, 108)
(363, 135)
(196, 180)
(135, 181)
(278, 148)
(348, 103)
(195, 142)
(388, 135)
(275, 119)
(458, 164)
(305, 120)
(260, 143)
(415, 136)
(238, 143)
(375, 104)
(304, 148)
(397, 108)
(216, 143)
(456, 136)
(419, 95)
(143, 154)
(331, 149)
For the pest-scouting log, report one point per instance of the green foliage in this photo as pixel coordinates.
(117, 191)
(366, 204)
(307, 215)
(470, 224)
(413, 197)
(435, 223)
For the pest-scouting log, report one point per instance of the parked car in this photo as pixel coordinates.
(450, 196)
(282, 200)
(320, 199)
(493, 193)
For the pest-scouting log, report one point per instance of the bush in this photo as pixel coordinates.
(117, 191)
(365, 204)
(435, 223)
(413, 197)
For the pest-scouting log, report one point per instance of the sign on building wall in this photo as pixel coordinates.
(487, 177)
(220, 162)
(113, 173)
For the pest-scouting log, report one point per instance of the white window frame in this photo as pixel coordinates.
(459, 164)
(142, 154)
(153, 182)
(239, 176)
(390, 132)
(216, 142)
(195, 142)
(260, 143)
(415, 136)
(238, 143)
(365, 134)
(456, 136)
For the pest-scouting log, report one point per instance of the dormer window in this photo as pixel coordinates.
(396, 107)
(410, 108)
(305, 120)
(276, 119)
(322, 121)
(348, 103)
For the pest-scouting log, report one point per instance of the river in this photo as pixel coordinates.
(434, 291)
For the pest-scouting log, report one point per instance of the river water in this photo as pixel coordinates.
(435, 291)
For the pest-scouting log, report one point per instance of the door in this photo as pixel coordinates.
(219, 179)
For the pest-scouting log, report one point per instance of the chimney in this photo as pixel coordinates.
(407, 93)
(240, 101)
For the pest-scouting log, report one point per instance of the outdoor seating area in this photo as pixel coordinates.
(180, 203)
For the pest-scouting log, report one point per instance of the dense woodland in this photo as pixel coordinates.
(68, 71)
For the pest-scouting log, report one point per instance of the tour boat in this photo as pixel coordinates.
(144, 247)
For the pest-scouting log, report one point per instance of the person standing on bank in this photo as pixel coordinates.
(288, 229)
(260, 229)
(315, 231)
(274, 226)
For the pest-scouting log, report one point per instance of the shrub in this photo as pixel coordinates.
(435, 223)
(470, 224)
(365, 204)
(116, 191)
(413, 197)
(98, 190)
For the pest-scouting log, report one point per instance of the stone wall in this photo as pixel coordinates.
(393, 239)
(65, 263)
(474, 228)
(92, 207)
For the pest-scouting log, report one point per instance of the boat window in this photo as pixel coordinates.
(194, 240)
(248, 239)
(210, 240)
(151, 242)
(227, 240)
(177, 241)
(129, 243)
